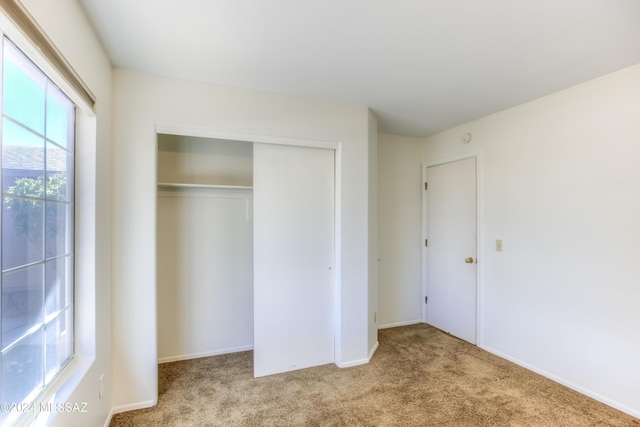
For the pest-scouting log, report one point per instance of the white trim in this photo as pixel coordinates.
(360, 361)
(423, 251)
(204, 354)
(479, 234)
(109, 417)
(133, 406)
(480, 248)
(373, 351)
(398, 324)
(337, 241)
(560, 380)
(207, 132)
(353, 363)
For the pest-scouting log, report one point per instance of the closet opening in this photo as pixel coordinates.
(204, 240)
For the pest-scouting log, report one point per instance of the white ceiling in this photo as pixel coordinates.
(421, 65)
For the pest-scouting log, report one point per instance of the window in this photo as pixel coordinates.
(37, 230)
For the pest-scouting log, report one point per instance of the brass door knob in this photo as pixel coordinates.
(469, 260)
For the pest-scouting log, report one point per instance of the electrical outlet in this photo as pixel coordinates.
(498, 245)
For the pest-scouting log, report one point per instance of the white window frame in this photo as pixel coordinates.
(69, 252)
(60, 390)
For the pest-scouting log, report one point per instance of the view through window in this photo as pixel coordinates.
(37, 229)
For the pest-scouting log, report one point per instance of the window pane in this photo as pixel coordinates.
(57, 235)
(59, 169)
(21, 302)
(22, 157)
(24, 94)
(22, 232)
(59, 118)
(58, 343)
(22, 369)
(57, 293)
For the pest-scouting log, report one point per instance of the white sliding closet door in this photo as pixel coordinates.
(293, 258)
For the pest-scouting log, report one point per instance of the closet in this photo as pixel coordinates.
(204, 247)
(246, 251)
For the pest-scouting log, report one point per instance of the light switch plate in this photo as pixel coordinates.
(498, 245)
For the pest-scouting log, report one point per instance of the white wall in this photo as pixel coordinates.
(65, 24)
(204, 272)
(561, 181)
(399, 204)
(140, 102)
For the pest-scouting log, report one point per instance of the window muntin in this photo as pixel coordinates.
(37, 262)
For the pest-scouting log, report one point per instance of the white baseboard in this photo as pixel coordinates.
(352, 363)
(559, 380)
(132, 407)
(359, 361)
(373, 350)
(204, 354)
(395, 325)
(111, 413)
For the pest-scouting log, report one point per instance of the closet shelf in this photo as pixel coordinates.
(178, 186)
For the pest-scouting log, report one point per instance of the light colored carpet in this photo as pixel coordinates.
(419, 376)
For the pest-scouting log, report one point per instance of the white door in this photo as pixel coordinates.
(451, 249)
(293, 257)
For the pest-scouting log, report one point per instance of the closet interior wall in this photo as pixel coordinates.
(204, 247)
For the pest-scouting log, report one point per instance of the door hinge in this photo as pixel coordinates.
(426, 242)
(425, 299)
(425, 185)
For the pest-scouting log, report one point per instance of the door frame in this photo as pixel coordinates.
(336, 146)
(479, 236)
